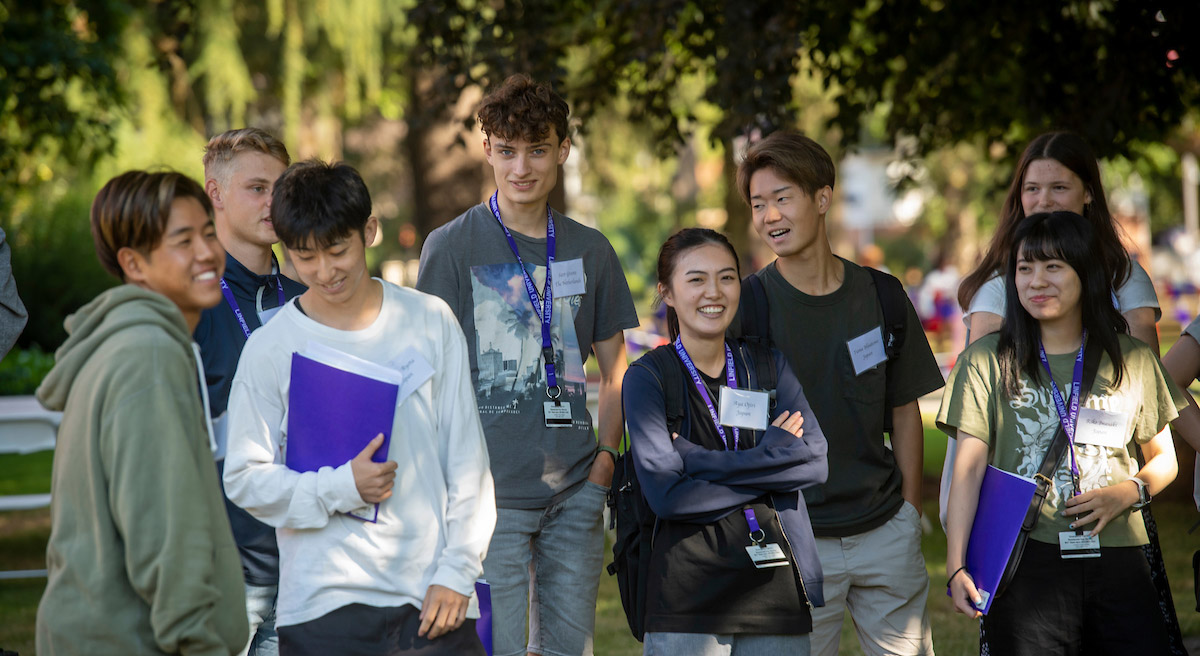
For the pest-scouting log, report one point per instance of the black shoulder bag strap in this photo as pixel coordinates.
(893, 302)
(1045, 474)
(756, 311)
(674, 392)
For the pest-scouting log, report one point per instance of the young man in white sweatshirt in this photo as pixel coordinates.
(403, 583)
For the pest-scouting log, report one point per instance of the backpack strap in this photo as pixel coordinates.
(674, 392)
(894, 303)
(756, 311)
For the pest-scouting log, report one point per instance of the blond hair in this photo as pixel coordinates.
(221, 150)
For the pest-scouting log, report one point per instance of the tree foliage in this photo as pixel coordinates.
(1117, 71)
(57, 83)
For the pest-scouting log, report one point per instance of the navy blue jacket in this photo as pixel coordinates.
(685, 482)
(221, 340)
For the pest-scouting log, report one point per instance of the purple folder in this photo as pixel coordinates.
(333, 414)
(483, 626)
(1004, 499)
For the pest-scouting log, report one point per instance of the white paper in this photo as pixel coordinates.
(332, 357)
(1100, 428)
(867, 351)
(567, 278)
(744, 408)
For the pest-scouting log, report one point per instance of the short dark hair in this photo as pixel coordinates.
(1071, 238)
(523, 109)
(132, 209)
(791, 155)
(315, 204)
(674, 248)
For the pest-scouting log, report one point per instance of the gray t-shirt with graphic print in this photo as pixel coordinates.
(469, 264)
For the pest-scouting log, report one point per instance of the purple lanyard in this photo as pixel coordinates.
(1068, 415)
(546, 314)
(730, 379)
(754, 527)
(237, 312)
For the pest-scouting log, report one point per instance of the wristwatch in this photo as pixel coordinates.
(1143, 493)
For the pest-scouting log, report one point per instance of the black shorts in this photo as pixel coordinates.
(361, 630)
(1104, 605)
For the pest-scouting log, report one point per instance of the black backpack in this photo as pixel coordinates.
(629, 513)
(756, 318)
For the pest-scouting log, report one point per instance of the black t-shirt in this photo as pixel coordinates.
(701, 579)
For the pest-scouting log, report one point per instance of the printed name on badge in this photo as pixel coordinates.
(567, 279)
(558, 414)
(744, 408)
(1100, 428)
(867, 351)
(414, 371)
(767, 555)
(1074, 545)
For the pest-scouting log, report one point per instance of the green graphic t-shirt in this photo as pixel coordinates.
(1019, 429)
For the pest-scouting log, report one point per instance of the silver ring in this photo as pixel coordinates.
(554, 391)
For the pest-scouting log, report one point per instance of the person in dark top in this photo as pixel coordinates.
(240, 170)
(827, 318)
(734, 565)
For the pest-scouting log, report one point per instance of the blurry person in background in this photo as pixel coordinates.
(12, 310)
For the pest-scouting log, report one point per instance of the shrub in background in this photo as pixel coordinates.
(22, 370)
(55, 266)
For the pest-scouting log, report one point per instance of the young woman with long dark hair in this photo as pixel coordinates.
(1006, 398)
(734, 567)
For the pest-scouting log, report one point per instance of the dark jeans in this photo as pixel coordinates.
(1053, 607)
(361, 630)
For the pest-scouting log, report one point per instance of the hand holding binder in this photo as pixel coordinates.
(373, 479)
(332, 412)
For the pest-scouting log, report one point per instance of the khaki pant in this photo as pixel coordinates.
(880, 576)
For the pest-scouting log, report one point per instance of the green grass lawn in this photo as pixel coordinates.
(23, 541)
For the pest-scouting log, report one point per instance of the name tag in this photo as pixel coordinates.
(558, 414)
(1074, 545)
(867, 351)
(744, 408)
(567, 278)
(1101, 428)
(414, 371)
(767, 555)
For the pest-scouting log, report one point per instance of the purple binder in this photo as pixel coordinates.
(333, 414)
(1004, 499)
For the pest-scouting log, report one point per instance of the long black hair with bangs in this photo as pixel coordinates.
(1069, 237)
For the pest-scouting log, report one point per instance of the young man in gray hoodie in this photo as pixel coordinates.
(141, 558)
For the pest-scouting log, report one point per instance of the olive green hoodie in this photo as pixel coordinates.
(141, 559)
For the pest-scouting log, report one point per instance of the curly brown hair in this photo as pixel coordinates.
(523, 109)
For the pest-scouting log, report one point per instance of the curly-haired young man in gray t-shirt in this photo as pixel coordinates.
(492, 266)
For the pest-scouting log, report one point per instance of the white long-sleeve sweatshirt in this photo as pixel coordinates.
(436, 526)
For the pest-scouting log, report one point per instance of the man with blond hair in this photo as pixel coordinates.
(240, 170)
